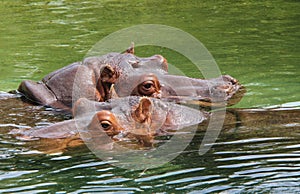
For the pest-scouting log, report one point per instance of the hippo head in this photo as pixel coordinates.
(131, 75)
(94, 78)
(154, 62)
(220, 91)
(114, 67)
(138, 84)
(139, 118)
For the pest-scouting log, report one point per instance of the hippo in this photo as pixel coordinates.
(220, 91)
(117, 120)
(95, 78)
(133, 117)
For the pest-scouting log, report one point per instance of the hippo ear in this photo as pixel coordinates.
(107, 73)
(112, 92)
(142, 113)
(130, 49)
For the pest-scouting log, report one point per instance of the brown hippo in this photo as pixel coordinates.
(136, 119)
(139, 118)
(220, 91)
(94, 78)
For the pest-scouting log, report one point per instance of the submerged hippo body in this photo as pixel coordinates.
(92, 78)
(118, 119)
(141, 118)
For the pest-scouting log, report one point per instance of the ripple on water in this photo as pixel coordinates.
(255, 140)
(82, 166)
(266, 171)
(110, 181)
(208, 183)
(264, 164)
(168, 174)
(258, 156)
(34, 188)
(61, 158)
(15, 174)
(192, 179)
(108, 189)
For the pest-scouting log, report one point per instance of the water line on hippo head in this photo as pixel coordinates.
(185, 44)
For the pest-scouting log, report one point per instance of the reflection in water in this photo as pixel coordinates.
(257, 151)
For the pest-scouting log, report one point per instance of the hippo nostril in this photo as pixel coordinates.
(157, 95)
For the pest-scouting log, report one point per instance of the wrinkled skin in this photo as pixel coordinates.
(119, 75)
(132, 117)
(94, 79)
(220, 91)
(62, 135)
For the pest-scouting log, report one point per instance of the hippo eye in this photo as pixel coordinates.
(105, 125)
(148, 85)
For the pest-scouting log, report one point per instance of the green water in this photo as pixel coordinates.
(257, 42)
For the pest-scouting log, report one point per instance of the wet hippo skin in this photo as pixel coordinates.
(92, 78)
(221, 91)
(115, 74)
(67, 132)
(139, 118)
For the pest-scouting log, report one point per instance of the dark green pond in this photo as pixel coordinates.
(256, 42)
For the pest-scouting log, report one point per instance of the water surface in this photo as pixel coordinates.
(256, 42)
